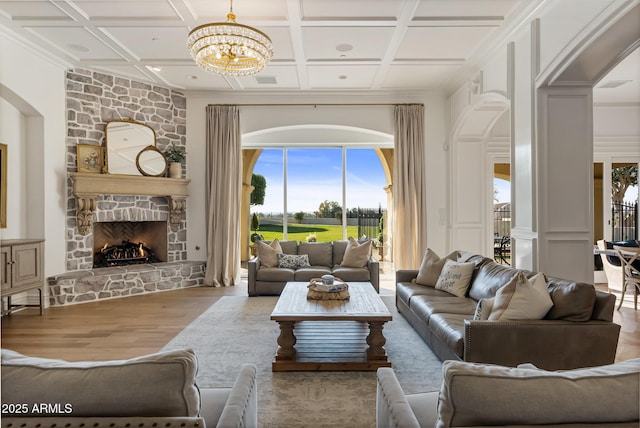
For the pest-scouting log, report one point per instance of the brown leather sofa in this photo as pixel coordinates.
(578, 331)
(324, 257)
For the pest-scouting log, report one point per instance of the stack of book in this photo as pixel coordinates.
(339, 290)
(330, 288)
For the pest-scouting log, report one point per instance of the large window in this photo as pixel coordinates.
(313, 186)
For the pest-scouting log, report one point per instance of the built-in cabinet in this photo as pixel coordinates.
(21, 271)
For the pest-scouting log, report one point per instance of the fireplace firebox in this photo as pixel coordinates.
(124, 243)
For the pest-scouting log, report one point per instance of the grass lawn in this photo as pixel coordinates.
(299, 232)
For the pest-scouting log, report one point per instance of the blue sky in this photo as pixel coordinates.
(315, 175)
(503, 188)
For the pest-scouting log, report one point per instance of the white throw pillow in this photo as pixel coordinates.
(522, 299)
(431, 267)
(356, 255)
(455, 277)
(268, 253)
(483, 309)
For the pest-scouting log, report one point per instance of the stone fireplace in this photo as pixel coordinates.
(94, 99)
(107, 214)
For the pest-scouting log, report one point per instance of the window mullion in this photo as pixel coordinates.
(284, 186)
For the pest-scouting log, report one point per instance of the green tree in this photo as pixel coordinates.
(328, 209)
(621, 179)
(259, 184)
(299, 216)
(255, 225)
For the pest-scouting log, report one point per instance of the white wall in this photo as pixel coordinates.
(264, 117)
(12, 133)
(32, 93)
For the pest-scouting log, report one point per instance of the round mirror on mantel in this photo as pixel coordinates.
(125, 140)
(150, 161)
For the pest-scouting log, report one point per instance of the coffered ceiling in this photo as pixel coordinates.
(382, 45)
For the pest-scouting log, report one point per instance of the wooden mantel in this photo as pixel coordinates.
(86, 187)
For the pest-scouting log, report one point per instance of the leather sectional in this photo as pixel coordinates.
(578, 331)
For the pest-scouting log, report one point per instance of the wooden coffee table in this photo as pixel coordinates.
(330, 334)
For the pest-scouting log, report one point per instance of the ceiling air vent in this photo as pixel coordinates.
(613, 84)
(266, 80)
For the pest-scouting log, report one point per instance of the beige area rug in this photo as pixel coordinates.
(237, 330)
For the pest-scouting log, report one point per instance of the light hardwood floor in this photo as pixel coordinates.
(138, 325)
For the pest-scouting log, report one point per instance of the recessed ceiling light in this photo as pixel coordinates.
(342, 77)
(77, 48)
(154, 68)
(344, 47)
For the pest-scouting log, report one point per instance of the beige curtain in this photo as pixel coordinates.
(409, 240)
(224, 190)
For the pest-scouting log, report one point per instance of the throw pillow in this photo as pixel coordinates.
(293, 261)
(356, 255)
(431, 267)
(522, 299)
(483, 309)
(455, 277)
(268, 253)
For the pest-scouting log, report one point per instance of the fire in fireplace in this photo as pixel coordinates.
(129, 242)
(126, 253)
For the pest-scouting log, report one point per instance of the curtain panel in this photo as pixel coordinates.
(409, 240)
(223, 195)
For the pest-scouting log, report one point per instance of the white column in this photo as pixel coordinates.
(563, 176)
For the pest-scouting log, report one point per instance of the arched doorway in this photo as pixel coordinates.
(480, 140)
(23, 133)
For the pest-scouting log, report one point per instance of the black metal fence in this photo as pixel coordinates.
(624, 221)
(369, 222)
(502, 219)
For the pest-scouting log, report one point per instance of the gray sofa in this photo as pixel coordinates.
(482, 395)
(324, 257)
(578, 331)
(156, 390)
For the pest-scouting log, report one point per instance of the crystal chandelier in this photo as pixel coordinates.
(229, 48)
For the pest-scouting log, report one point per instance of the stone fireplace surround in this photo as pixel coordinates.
(99, 193)
(93, 99)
